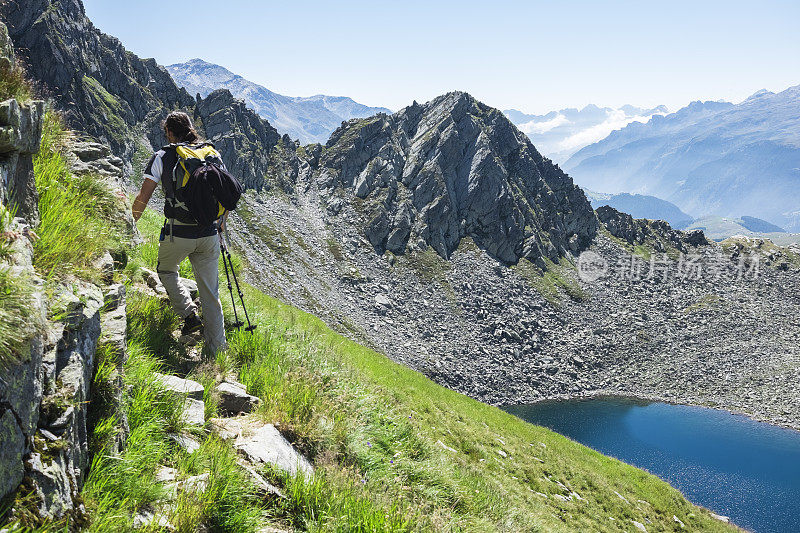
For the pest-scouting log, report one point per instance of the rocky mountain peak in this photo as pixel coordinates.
(432, 174)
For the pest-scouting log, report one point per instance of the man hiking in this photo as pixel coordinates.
(182, 236)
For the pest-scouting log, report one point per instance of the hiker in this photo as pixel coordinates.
(182, 236)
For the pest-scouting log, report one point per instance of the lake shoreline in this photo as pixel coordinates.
(754, 464)
(616, 394)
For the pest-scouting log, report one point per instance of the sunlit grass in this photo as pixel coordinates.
(77, 212)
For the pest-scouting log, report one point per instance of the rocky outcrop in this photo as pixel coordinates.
(20, 125)
(20, 132)
(88, 157)
(433, 174)
(656, 233)
(244, 140)
(106, 91)
(45, 391)
(46, 387)
(120, 99)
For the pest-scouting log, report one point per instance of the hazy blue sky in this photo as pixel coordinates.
(533, 56)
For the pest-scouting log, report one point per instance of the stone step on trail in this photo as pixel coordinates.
(194, 412)
(267, 445)
(152, 280)
(260, 444)
(190, 388)
(226, 428)
(188, 443)
(234, 399)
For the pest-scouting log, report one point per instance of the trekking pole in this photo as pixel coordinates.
(250, 327)
(237, 324)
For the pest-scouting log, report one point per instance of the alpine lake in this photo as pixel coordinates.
(733, 465)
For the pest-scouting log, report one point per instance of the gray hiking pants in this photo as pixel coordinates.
(203, 253)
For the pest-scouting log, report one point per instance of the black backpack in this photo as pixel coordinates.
(201, 186)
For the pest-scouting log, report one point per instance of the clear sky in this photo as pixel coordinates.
(535, 56)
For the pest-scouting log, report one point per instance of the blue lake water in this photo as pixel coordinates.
(735, 466)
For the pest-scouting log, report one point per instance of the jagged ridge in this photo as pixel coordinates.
(120, 99)
(435, 173)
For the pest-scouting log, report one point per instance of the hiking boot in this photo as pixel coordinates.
(192, 324)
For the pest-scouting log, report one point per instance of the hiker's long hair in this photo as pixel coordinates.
(181, 127)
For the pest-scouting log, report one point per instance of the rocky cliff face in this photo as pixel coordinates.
(118, 98)
(46, 387)
(45, 391)
(20, 133)
(244, 140)
(432, 174)
(107, 92)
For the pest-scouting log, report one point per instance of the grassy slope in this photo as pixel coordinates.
(395, 451)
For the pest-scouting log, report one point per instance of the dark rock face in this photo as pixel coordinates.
(244, 140)
(20, 127)
(654, 232)
(104, 89)
(433, 174)
(120, 99)
(20, 133)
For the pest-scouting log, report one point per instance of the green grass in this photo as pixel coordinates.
(392, 450)
(75, 211)
(16, 320)
(120, 484)
(15, 84)
(553, 283)
(706, 302)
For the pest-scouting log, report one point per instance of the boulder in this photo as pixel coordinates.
(234, 399)
(153, 281)
(190, 388)
(194, 412)
(267, 445)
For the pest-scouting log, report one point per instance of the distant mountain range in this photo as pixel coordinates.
(641, 206)
(559, 134)
(715, 227)
(310, 119)
(720, 228)
(708, 158)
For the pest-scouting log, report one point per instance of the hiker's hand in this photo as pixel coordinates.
(140, 202)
